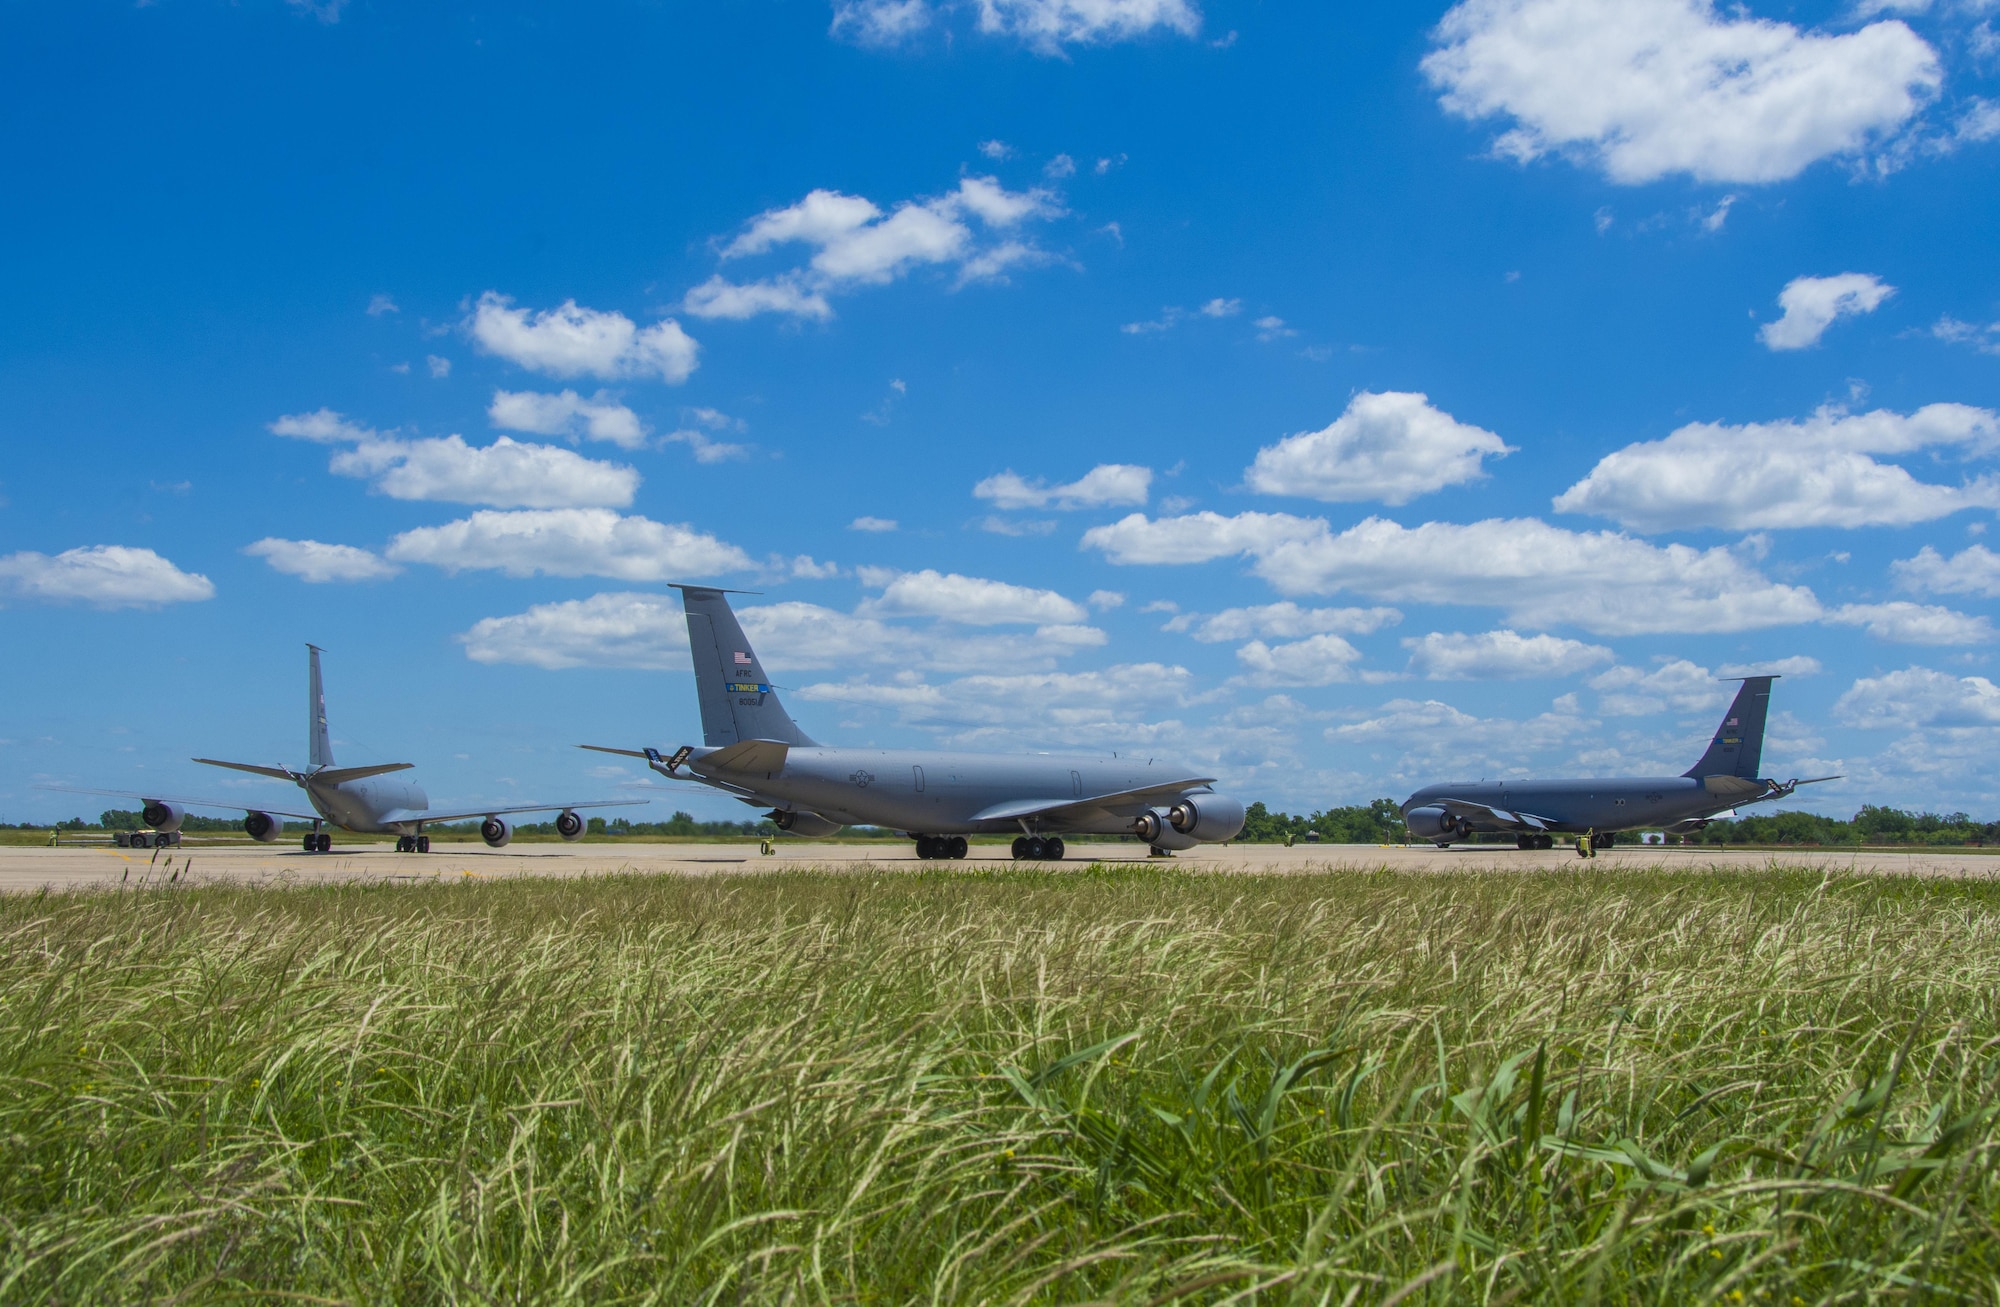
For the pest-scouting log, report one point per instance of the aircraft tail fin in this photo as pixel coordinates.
(319, 751)
(737, 701)
(1738, 746)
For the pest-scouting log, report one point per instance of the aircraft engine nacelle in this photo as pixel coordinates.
(569, 825)
(808, 824)
(1207, 818)
(1432, 824)
(1154, 828)
(496, 831)
(264, 827)
(161, 815)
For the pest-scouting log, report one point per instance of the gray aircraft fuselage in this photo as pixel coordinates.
(753, 749)
(1610, 803)
(941, 792)
(372, 805)
(1725, 777)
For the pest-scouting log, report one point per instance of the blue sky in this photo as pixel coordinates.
(1336, 398)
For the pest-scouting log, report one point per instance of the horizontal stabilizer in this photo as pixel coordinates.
(1731, 787)
(1119, 800)
(276, 773)
(751, 757)
(605, 748)
(335, 775)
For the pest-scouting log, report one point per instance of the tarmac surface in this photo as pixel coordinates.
(30, 869)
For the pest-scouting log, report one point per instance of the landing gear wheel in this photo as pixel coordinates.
(1524, 842)
(1545, 841)
(311, 844)
(926, 847)
(1020, 847)
(1604, 841)
(956, 847)
(1053, 848)
(1038, 848)
(323, 842)
(423, 844)
(404, 844)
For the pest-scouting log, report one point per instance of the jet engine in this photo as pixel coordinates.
(1434, 824)
(808, 824)
(1209, 818)
(264, 827)
(496, 832)
(1153, 827)
(162, 816)
(569, 825)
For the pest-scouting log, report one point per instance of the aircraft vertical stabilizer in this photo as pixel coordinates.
(737, 701)
(319, 751)
(1738, 746)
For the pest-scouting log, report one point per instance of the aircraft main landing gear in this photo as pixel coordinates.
(941, 846)
(317, 842)
(1037, 848)
(1534, 841)
(413, 844)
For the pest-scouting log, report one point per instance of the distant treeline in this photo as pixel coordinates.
(1377, 823)
(1872, 825)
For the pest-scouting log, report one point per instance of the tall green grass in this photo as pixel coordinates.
(1134, 1085)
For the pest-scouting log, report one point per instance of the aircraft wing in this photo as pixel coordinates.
(1501, 817)
(186, 803)
(433, 818)
(1120, 802)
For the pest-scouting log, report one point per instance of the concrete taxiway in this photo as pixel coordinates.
(30, 869)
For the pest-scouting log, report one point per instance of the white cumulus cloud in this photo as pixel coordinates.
(318, 563)
(567, 414)
(1050, 24)
(879, 22)
(1197, 537)
(1812, 304)
(568, 341)
(1285, 620)
(322, 426)
(972, 600)
(718, 297)
(607, 630)
(1106, 485)
(1971, 571)
(102, 576)
(1535, 572)
(1919, 697)
(649, 631)
(1903, 622)
(1675, 683)
(855, 243)
(569, 542)
(1812, 473)
(1316, 660)
(1500, 656)
(1388, 447)
(505, 474)
(1650, 88)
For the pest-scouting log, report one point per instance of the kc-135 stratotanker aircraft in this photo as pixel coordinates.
(358, 799)
(753, 750)
(1596, 810)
